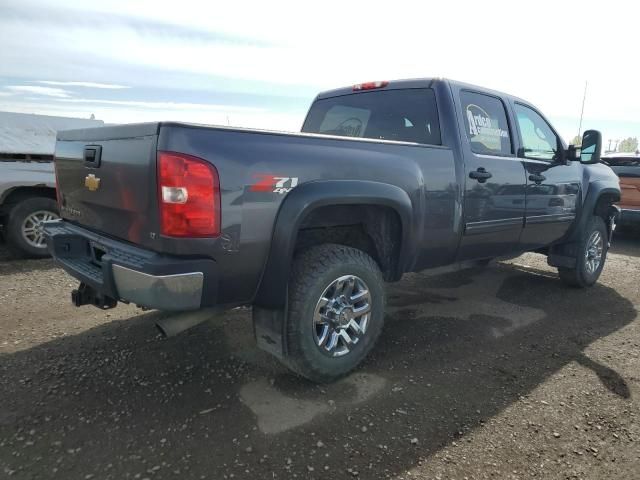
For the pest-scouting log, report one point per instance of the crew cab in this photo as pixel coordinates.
(385, 178)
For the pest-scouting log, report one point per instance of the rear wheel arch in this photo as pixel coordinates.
(307, 211)
(18, 194)
(374, 229)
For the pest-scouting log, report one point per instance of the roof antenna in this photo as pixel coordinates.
(584, 98)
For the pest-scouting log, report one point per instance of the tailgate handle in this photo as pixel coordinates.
(92, 156)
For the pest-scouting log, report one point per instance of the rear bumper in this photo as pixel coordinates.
(127, 273)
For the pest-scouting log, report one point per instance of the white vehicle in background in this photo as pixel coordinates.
(27, 179)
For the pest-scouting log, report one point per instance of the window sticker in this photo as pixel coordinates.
(483, 129)
(345, 121)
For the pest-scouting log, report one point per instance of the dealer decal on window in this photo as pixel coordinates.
(480, 123)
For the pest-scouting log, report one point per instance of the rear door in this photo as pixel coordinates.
(494, 199)
(553, 185)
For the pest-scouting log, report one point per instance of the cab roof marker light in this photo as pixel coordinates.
(370, 85)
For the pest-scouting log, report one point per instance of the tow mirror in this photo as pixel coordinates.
(591, 147)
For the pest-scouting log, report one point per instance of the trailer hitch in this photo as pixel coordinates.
(86, 295)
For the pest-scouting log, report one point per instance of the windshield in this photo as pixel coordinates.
(407, 115)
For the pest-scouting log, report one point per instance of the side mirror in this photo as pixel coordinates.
(591, 147)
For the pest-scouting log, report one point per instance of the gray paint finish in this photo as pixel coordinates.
(436, 195)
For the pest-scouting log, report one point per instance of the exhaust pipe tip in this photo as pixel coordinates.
(161, 329)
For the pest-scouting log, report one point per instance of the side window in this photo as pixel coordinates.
(538, 140)
(486, 124)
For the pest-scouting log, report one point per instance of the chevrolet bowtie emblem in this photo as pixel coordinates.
(92, 182)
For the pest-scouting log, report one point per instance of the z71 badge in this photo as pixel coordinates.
(272, 183)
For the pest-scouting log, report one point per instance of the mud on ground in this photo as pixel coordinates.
(494, 373)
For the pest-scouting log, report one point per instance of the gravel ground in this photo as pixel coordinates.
(493, 373)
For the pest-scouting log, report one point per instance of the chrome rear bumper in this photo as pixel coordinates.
(115, 270)
(165, 292)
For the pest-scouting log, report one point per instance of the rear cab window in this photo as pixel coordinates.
(485, 119)
(404, 115)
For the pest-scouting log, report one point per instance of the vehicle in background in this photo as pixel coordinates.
(386, 178)
(627, 167)
(27, 178)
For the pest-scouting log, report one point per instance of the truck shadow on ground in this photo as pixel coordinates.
(626, 241)
(116, 400)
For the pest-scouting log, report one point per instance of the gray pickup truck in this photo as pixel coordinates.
(385, 178)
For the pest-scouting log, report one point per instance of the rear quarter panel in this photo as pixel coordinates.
(245, 158)
(23, 173)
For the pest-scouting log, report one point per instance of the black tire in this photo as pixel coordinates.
(313, 272)
(579, 276)
(16, 241)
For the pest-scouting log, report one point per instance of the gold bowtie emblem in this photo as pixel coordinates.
(92, 182)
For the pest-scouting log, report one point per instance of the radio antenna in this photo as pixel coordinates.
(584, 98)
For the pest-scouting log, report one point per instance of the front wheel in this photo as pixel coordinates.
(590, 253)
(336, 311)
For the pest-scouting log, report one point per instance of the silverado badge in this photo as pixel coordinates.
(92, 182)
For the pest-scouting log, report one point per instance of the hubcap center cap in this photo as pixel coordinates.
(344, 317)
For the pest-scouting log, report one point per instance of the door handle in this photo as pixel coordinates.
(481, 175)
(534, 177)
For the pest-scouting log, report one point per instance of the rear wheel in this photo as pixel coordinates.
(24, 229)
(336, 311)
(590, 253)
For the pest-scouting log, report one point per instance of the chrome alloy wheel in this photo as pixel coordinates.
(341, 316)
(32, 227)
(593, 253)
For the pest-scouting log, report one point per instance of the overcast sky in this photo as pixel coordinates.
(260, 64)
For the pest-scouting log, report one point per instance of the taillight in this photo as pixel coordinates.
(370, 85)
(189, 196)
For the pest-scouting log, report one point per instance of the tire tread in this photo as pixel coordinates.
(307, 271)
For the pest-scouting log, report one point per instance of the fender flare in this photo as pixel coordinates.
(595, 190)
(300, 202)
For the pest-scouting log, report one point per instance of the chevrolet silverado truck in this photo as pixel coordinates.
(385, 178)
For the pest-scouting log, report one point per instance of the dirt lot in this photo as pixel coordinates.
(494, 373)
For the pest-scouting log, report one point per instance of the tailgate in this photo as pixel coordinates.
(106, 178)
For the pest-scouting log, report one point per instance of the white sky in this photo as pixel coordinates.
(73, 58)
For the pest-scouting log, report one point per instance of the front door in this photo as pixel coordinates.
(494, 200)
(553, 185)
